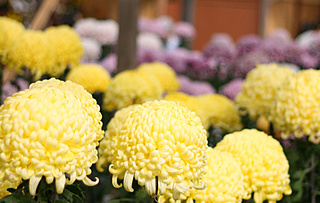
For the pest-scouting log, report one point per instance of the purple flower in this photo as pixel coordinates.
(200, 67)
(146, 55)
(177, 59)
(314, 48)
(92, 49)
(184, 30)
(110, 63)
(194, 87)
(9, 89)
(221, 52)
(247, 44)
(232, 88)
(152, 26)
(222, 38)
(309, 61)
(281, 35)
(274, 50)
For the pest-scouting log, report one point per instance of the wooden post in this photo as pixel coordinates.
(162, 6)
(263, 12)
(188, 11)
(43, 14)
(128, 31)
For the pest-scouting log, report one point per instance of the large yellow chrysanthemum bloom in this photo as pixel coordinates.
(259, 88)
(130, 87)
(160, 143)
(67, 46)
(88, 103)
(9, 29)
(106, 147)
(164, 73)
(46, 131)
(296, 107)
(224, 181)
(262, 161)
(5, 185)
(191, 103)
(220, 112)
(93, 77)
(32, 50)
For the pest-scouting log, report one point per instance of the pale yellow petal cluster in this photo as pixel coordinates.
(259, 88)
(106, 147)
(262, 161)
(131, 87)
(296, 107)
(46, 131)
(164, 73)
(31, 49)
(5, 185)
(9, 29)
(67, 47)
(220, 111)
(161, 144)
(93, 77)
(191, 103)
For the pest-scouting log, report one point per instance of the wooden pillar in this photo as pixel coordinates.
(263, 11)
(188, 10)
(162, 7)
(44, 13)
(128, 31)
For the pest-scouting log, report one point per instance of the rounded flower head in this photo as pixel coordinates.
(259, 88)
(262, 161)
(110, 63)
(93, 77)
(131, 87)
(184, 30)
(195, 88)
(220, 112)
(191, 103)
(46, 131)
(147, 40)
(224, 179)
(67, 47)
(32, 49)
(232, 88)
(160, 141)
(164, 73)
(9, 29)
(295, 109)
(92, 49)
(106, 148)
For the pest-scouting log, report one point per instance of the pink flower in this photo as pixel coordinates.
(232, 88)
(184, 30)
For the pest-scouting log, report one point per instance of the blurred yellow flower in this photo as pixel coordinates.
(106, 148)
(191, 103)
(67, 47)
(295, 109)
(5, 185)
(160, 141)
(164, 73)
(130, 87)
(93, 77)
(262, 161)
(47, 131)
(220, 111)
(9, 29)
(259, 88)
(32, 50)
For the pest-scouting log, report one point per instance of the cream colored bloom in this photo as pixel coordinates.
(262, 161)
(106, 148)
(67, 47)
(191, 103)
(164, 73)
(224, 181)
(296, 107)
(47, 131)
(9, 29)
(130, 87)
(164, 142)
(32, 50)
(220, 111)
(259, 88)
(93, 77)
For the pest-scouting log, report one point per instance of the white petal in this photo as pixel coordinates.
(60, 184)
(33, 184)
(87, 181)
(128, 178)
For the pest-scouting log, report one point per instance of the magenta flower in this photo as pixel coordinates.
(110, 63)
(248, 44)
(194, 87)
(232, 88)
(184, 30)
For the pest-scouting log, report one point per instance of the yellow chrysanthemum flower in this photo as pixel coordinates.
(260, 87)
(93, 77)
(296, 107)
(31, 49)
(106, 148)
(262, 161)
(88, 103)
(220, 112)
(130, 87)
(224, 181)
(46, 131)
(67, 47)
(5, 185)
(191, 103)
(164, 73)
(160, 141)
(9, 29)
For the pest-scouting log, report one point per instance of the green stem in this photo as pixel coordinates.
(312, 179)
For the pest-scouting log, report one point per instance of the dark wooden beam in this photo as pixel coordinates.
(128, 31)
